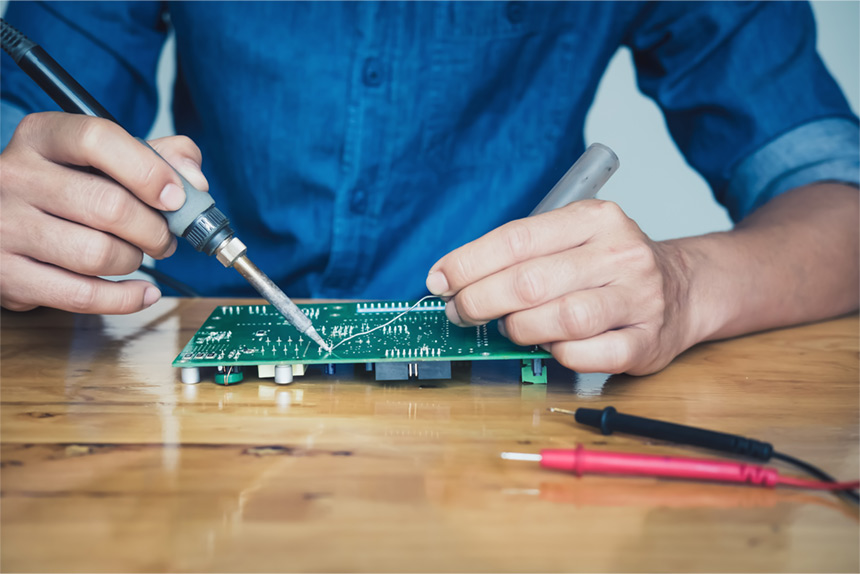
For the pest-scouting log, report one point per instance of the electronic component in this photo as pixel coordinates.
(420, 344)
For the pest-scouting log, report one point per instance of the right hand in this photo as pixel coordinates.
(61, 227)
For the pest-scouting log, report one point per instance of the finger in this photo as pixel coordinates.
(515, 242)
(100, 143)
(50, 286)
(610, 352)
(531, 283)
(100, 203)
(183, 154)
(575, 316)
(74, 247)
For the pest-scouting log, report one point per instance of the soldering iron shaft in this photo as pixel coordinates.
(276, 297)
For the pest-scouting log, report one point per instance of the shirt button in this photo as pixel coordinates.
(515, 12)
(358, 201)
(372, 74)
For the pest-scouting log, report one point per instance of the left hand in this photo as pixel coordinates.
(583, 282)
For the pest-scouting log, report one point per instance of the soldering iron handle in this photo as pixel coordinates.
(198, 220)
(583, 180)
(609, 420)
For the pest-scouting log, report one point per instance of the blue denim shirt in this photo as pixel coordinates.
(354, 144)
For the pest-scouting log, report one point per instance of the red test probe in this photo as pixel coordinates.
(581, 461)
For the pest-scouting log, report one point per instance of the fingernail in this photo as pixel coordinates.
(172, 249)
(194, 174)
(172, 197)
(150, 296)
(546, 347)
(437, 283)
(451, 312)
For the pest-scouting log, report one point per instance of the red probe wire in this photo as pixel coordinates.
(581, 461)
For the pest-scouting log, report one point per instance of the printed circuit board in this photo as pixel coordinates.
(420, 343)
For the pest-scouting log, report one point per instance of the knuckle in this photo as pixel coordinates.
(185, 145)
(519, 240)
(514, 330)
(467, 306)
(128, 300)
(17, 306)
(564, 356)
(575, 319)
(461, 271)
(112, 208)
(128, 263)
(609, 211)
(31, 123)
(619, 357)
(638, 256)
(530, 285)
(100, 255)
(91, 133)
(82, 297)
(174, 148)
(162, 240)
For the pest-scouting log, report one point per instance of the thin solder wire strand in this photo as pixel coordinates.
(421, 300)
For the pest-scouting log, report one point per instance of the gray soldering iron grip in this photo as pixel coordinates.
(196, 202)
(583, 180)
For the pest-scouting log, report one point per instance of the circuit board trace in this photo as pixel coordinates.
(255, 335)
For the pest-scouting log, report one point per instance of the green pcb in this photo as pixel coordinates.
(249, 335)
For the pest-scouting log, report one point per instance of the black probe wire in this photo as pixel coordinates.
(816, 472)
(610, 420)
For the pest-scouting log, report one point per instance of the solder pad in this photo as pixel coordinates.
(256, 335)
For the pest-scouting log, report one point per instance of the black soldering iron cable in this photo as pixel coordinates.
(72, 98)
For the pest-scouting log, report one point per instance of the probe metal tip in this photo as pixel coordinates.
(521, 456)
(563, 411)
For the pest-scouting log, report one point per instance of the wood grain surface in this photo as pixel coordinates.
(109, 463)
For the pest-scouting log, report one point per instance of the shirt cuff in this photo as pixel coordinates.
(822, 150)
(10, 117)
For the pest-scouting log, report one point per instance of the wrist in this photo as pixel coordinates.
(696, 287)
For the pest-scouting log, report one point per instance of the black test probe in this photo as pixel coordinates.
(610, 420)
(198, 220)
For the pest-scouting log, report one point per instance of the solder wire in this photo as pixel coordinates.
(342, 341)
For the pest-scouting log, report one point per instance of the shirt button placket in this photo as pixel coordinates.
(358, 202)
(372, 72)
(515, 11)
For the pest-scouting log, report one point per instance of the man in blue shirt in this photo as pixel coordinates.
(355, 146)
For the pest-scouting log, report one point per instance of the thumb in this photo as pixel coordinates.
(184, 155)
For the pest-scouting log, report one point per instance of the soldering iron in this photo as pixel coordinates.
(198, 220)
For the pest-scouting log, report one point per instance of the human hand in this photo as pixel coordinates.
(62, 226)
(584, 282)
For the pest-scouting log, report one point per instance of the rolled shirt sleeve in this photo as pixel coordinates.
(746, 96)
(821, 150)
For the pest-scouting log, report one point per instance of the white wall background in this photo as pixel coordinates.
(654, 185)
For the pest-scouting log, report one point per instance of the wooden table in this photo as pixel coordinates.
(110, 464)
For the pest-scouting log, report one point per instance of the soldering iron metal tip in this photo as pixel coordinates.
(563, 411)
(312, 333)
